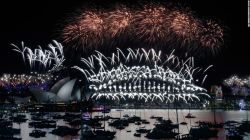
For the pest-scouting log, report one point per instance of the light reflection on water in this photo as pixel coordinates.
(201, 115)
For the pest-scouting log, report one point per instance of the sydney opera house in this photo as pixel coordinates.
(65, 90)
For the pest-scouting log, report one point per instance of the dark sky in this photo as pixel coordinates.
(37, 22)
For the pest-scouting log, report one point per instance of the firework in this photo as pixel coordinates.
(211, 35)
(238, 85)
(87, 31)
(22, 82)
(152, 78)
(118, 21)
(184, 25)
(237, 81)
(51, 59)
(151, 24)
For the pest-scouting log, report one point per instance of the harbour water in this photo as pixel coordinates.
(201, 115)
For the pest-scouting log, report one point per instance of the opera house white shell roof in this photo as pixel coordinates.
(62, 91)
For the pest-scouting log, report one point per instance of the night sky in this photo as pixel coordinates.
(38, 22)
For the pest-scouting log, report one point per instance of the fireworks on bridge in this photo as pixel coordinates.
(141, 74)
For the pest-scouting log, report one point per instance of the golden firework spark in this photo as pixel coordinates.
(211, 35)
(151, 23)
(117, 21)
(184, 25)
(87, 31)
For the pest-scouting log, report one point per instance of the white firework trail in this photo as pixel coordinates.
(208, 68)
(204, 79)
(140, 74)
(51, 59)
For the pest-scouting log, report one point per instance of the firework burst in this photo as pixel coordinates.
(184, 25)
(211, 35)
(151, 24)
(236, 81)
(48, 60)
(87, 31)
(118, 21)
(238, 85)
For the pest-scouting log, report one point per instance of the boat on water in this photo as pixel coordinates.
(155, 117)
(138, 123)
(37, 133)
(71, 116)
(210, 124)
(143, 130)
(87, 132)
(120, 127)
(75, 122)
(217, 125)
(145, 122)
(161, 134)
(107, 110)
(134, 119)
(202, 132)
(42, 124)
(105, 133)
(165, 129)
(64, 130)
(184, 137)
(119, 109)
(244, 127)
(9, 131)
(120, 122)
(189, 116)
(5, 123)
(19, 118)
(137, 134)
(234, 137)
(231, 123)
(9, 138)
(126, 116)
(183, 123)
(233, 134)
(56, 116)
